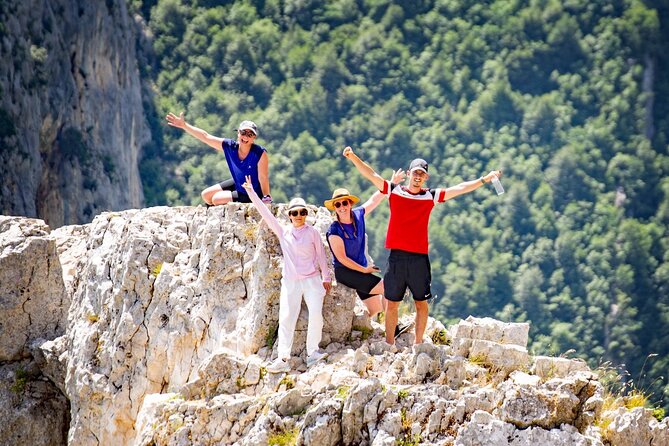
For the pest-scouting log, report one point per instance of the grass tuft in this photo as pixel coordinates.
(440, 337)
(22, 378)
(271, 336)
(343, 392)
(287, 381)
(285, 438)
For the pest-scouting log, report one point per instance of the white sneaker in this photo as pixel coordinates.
(279, 365)
(315, 357)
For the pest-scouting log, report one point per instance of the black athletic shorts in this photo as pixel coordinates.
(407, 269)
(236, 196)
(362, 283)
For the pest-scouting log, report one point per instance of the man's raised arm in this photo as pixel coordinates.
(364, 168)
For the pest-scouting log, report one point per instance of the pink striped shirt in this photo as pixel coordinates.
(303, 251)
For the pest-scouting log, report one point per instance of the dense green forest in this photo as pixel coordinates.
(569, 97)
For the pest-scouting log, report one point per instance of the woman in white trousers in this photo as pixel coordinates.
(305, 274)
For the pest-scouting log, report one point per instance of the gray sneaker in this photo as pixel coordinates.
(315, 357)
(279, 366)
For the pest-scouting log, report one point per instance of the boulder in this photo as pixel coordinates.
(33, 302)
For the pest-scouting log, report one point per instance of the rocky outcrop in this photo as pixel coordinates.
(172, 323)
(71, 117)
(159, 292)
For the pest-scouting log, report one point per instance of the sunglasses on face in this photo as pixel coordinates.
(339, 204)
(302, 212)
(247, 133)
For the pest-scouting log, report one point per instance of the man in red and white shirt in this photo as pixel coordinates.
(410, 209)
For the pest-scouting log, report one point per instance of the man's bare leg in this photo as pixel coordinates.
(421, 319)
(391, 320)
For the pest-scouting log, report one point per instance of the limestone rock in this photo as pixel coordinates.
(489, 329)
(484, 429)
(33, 302)
(636, 427)
(496, 345)
(160, 292)
(353, 431)
(32, 410)
(322, 425)
(532, 406)
(172, 324)
(506, 357)
(51, 358)
(548, 367)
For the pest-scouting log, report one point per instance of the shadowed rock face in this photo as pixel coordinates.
(71, 117)
(171, 327)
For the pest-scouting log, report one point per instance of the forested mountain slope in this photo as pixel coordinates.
(570, 98)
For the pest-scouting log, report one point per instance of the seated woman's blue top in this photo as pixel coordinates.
(353, 235)
(240, 168)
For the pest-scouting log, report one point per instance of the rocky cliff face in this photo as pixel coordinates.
(71, 117)
(154, 327)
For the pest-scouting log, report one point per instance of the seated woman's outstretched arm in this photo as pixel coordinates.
(265, 213)
(180, 122)
(377, 197)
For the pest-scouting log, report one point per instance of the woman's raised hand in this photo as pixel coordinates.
(398, 177)
(176, 121)
(348, 152)
(248, 185)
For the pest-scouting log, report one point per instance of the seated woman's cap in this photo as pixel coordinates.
(340, 194)
(248, 125)
(297, 203)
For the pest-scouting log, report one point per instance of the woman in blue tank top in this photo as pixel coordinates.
(244, 158)
(348, 242)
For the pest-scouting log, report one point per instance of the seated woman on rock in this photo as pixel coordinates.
(348, 242)
(303, 257)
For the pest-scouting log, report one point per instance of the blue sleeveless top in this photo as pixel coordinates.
(354, 241)
(247, 166)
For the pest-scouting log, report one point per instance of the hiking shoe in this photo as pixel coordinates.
(315, 357)
(279, 365)
(399, 329)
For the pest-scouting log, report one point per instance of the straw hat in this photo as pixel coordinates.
(340, 194)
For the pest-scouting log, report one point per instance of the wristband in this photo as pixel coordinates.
(267, 198)
(482, 180)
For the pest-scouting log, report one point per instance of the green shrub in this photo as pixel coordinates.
(72, 146)
(38, 54)
(22, 378)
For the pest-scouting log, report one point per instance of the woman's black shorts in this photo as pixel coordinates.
(236, 195)
(362, 283)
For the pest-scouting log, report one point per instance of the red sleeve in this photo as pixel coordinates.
(387, 187)
(438, 194)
